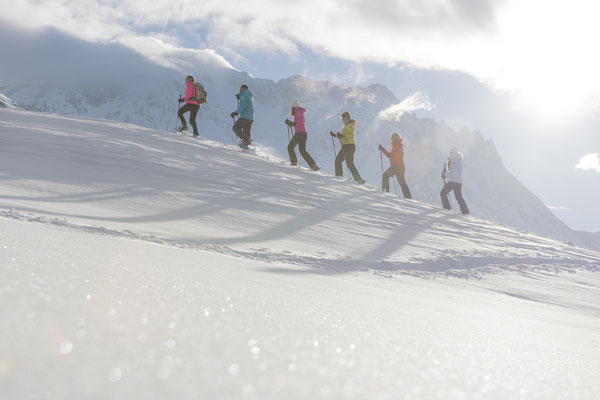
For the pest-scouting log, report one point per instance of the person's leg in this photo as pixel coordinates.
(349, 150)
(237, 127)
(338, 163)
(444, 195)
(400, 170)
(459, 198)
(291, 152)
(246, 131)
(385, 179)
(301, 140)
(180, 113)
(193, 112)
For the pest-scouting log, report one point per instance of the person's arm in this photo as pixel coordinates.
(384, 151)
(190, 92)
(243, 104)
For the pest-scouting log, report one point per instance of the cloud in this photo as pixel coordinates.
(589, 162)
(510, 44)
(51, 56)
(417, 101)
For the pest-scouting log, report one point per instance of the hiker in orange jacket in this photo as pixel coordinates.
(397, 167)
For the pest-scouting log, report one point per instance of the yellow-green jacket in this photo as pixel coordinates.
(348, 132)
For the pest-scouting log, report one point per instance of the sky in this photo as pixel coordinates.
(530, 61)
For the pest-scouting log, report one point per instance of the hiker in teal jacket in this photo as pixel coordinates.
(246, 115)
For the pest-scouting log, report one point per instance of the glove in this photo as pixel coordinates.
(331, 133)
(381, 148)
(233, 114)
(181, 100)
(289, 123)
(339, 135)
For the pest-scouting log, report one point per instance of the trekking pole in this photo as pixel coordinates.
(334, 149)
(381, 160)
(178, 108)
(448, 195)
(393, 176)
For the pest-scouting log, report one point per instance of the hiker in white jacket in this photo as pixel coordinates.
(454, 174)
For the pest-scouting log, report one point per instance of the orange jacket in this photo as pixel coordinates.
(397, 155)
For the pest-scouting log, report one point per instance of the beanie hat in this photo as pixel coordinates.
(345, 115)
(396, 136)
(295, 103)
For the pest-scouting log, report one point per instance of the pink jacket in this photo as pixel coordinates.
(190, 91)
(299, 120)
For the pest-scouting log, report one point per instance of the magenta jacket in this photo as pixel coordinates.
(190, 91)
(299, 120)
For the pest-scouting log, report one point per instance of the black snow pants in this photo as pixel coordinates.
(193, 109)
(300, 140)
(397, 170)
(242, 129)
(347, 154)
(457, 187)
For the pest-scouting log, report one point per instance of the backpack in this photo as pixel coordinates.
(201, 94)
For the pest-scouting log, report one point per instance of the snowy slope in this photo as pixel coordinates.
(144, 264)
(491, 191)
(84, 81)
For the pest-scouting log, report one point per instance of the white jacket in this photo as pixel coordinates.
(455, 168)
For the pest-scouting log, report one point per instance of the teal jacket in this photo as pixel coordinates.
(246, 108)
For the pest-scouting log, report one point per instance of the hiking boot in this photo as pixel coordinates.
(183, 128)
(315, 167)
(294, 163)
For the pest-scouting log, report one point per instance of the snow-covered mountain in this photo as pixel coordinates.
(5, 102)
(138, 263)
(145, 93)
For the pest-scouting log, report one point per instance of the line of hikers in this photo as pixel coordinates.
(196, 95)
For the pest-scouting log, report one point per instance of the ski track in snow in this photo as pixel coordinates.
(458, 264)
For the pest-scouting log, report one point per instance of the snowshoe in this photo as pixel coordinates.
(315, 167)
(182, 129)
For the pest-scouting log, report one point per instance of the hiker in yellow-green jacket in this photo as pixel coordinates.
(348, 148)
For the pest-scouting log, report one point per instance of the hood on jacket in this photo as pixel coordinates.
(454, 153)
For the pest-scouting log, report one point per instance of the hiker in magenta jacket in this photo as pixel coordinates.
(397, 167)
(191, 105)
(300, 136)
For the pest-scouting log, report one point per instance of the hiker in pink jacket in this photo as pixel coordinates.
(191, 105)
(300, 136)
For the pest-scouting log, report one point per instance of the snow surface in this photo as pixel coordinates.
(137, 263)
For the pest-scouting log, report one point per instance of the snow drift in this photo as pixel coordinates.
(144, 264)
